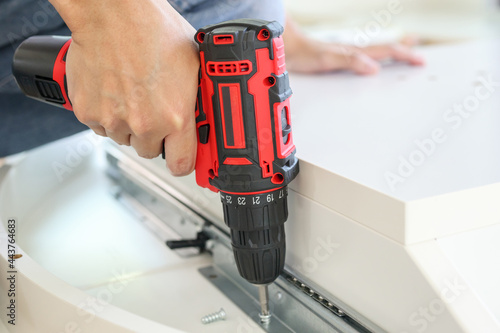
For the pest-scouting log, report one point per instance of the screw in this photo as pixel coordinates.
(210, 318)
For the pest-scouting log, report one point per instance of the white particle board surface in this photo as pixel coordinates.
(359, 127)
(418, 148)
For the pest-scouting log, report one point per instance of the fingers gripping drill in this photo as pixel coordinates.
(245, 144)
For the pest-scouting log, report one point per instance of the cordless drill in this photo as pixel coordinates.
(245, 144)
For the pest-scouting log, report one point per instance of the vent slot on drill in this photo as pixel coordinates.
(224, 68)
(49, 90)
(223, 39)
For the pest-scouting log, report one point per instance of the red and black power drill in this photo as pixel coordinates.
(245, 143)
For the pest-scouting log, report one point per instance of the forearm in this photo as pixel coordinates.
(80, 15)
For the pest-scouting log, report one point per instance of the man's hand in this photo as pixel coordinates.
(132, 72)
(309, 56)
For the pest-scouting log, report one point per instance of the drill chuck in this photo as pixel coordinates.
(257, 226)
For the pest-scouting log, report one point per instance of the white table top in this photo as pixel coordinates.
(357, 140)
(359, 127)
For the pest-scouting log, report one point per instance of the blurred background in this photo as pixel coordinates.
(362, 22)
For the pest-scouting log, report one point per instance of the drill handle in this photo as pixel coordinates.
(39, 68)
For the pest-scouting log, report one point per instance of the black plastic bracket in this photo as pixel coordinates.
(200, 242)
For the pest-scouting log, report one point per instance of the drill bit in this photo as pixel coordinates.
(265, 315)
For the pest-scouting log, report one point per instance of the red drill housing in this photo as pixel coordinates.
(246, 148)
(243, 112)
